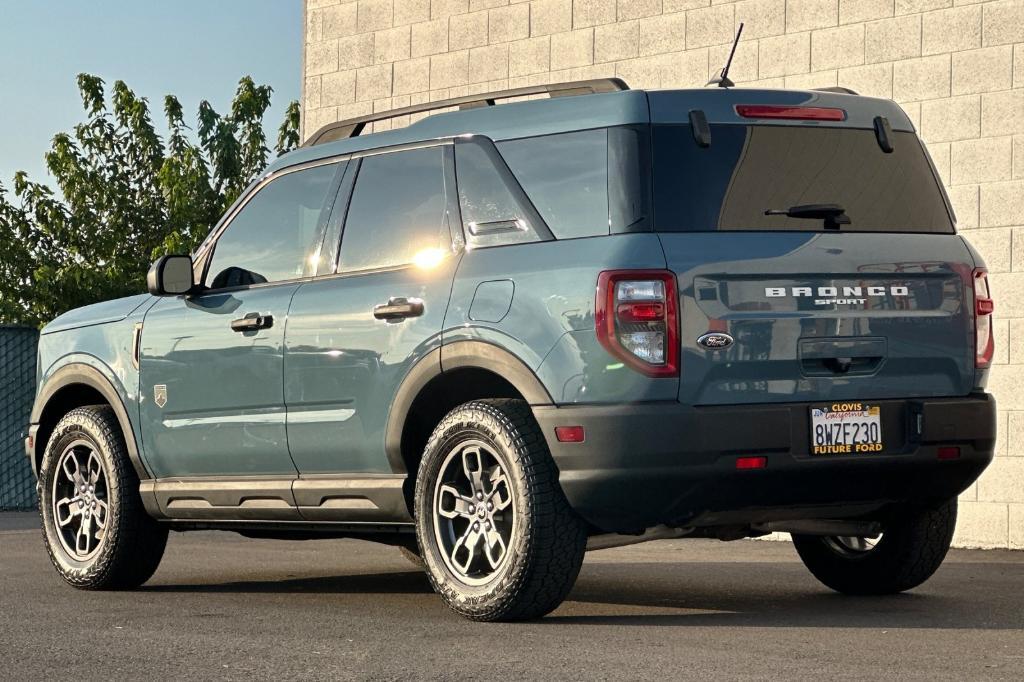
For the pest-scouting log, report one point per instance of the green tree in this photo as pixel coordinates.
(126, 196)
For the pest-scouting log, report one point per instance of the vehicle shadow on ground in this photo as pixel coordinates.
(758, 595)
(408, 582)
(720, 594)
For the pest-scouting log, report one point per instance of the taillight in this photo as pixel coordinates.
(790, 112)
(637, 319)
(984, 343)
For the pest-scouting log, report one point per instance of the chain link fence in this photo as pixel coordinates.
(17, 391)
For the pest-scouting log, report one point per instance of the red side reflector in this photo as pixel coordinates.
(799, 113)
(950, 452)
(986, 306)
(751, 462)
(569, 434)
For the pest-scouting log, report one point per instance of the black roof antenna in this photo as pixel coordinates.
(722, 80)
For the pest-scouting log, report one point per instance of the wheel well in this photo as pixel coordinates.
(439, 397)
(62, 402)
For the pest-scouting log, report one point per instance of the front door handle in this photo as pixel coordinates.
(398, 309)
(252, 322)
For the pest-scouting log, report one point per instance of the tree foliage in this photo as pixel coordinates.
(126, 196)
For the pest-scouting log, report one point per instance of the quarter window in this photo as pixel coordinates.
(566, 178)
(490, 213)
(398, 211)
(273, 237)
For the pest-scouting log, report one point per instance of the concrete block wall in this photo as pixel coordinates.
(956, 66)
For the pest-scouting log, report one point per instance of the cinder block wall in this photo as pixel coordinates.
(956, 66)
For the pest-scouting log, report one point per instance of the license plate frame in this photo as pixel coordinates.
(845, 428)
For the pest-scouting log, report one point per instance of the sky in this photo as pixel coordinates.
(195, 49)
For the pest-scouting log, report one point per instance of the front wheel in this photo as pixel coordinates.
(909, 551)
(498, 539)
(97, 533)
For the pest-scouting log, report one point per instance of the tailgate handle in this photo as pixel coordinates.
(842, 356)
(840, 366)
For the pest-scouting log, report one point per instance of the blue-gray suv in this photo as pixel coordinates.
(502, 335)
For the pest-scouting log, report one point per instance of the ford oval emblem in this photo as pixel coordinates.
(715, 340)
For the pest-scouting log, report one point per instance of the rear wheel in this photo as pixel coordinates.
(497, 536)
(909, 551)
(97, 533)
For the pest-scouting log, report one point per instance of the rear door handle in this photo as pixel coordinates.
(251, 322)
(398, 309)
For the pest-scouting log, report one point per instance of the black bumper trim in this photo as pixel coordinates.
(652, 463)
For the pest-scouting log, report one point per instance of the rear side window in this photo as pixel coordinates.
(750, 169)
(398, 210)
(272, 238)
(566, 178)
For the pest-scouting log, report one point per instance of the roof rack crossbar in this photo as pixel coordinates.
(354, 127)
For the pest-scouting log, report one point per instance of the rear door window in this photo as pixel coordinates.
(750, 169)
(398, 212)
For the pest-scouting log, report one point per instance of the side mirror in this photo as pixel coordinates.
(170, 276)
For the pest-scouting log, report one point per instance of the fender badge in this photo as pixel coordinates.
(160, 395)
(715, 340)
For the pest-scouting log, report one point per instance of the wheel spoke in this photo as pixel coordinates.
(494, 548)
(453, 504)
(501, 494)
(72, 475)
(100, 514)
(473, 468)
(94, 468)
(83, 540)
(464, 550)
(66, 509)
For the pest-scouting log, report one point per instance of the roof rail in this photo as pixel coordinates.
(353, 127)
(837, 88)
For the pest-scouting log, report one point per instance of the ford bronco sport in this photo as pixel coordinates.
(504, 334)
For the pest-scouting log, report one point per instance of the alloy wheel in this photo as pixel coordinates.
(853, 545)
(474, 512)
(80, 500)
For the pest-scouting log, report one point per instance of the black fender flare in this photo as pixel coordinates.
(457, 355)
(78, 373)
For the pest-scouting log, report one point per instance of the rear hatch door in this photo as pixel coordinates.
(869, 306)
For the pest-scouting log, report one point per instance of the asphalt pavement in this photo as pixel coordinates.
(225, 607)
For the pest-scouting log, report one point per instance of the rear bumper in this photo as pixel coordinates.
(668, 463)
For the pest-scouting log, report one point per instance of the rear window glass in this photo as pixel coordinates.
(750, 169)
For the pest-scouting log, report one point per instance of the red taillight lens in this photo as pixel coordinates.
(641, 312)
(984, 342)
(637, 320)
(798, 113)
(743, 463)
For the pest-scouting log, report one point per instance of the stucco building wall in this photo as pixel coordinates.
(956, 66)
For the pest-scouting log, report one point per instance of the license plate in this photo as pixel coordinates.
(846, 429)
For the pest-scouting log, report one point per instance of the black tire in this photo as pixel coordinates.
(131, 544)
(907, 554)
(546, 543)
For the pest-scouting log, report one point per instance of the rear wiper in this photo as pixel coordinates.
(834, 215)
